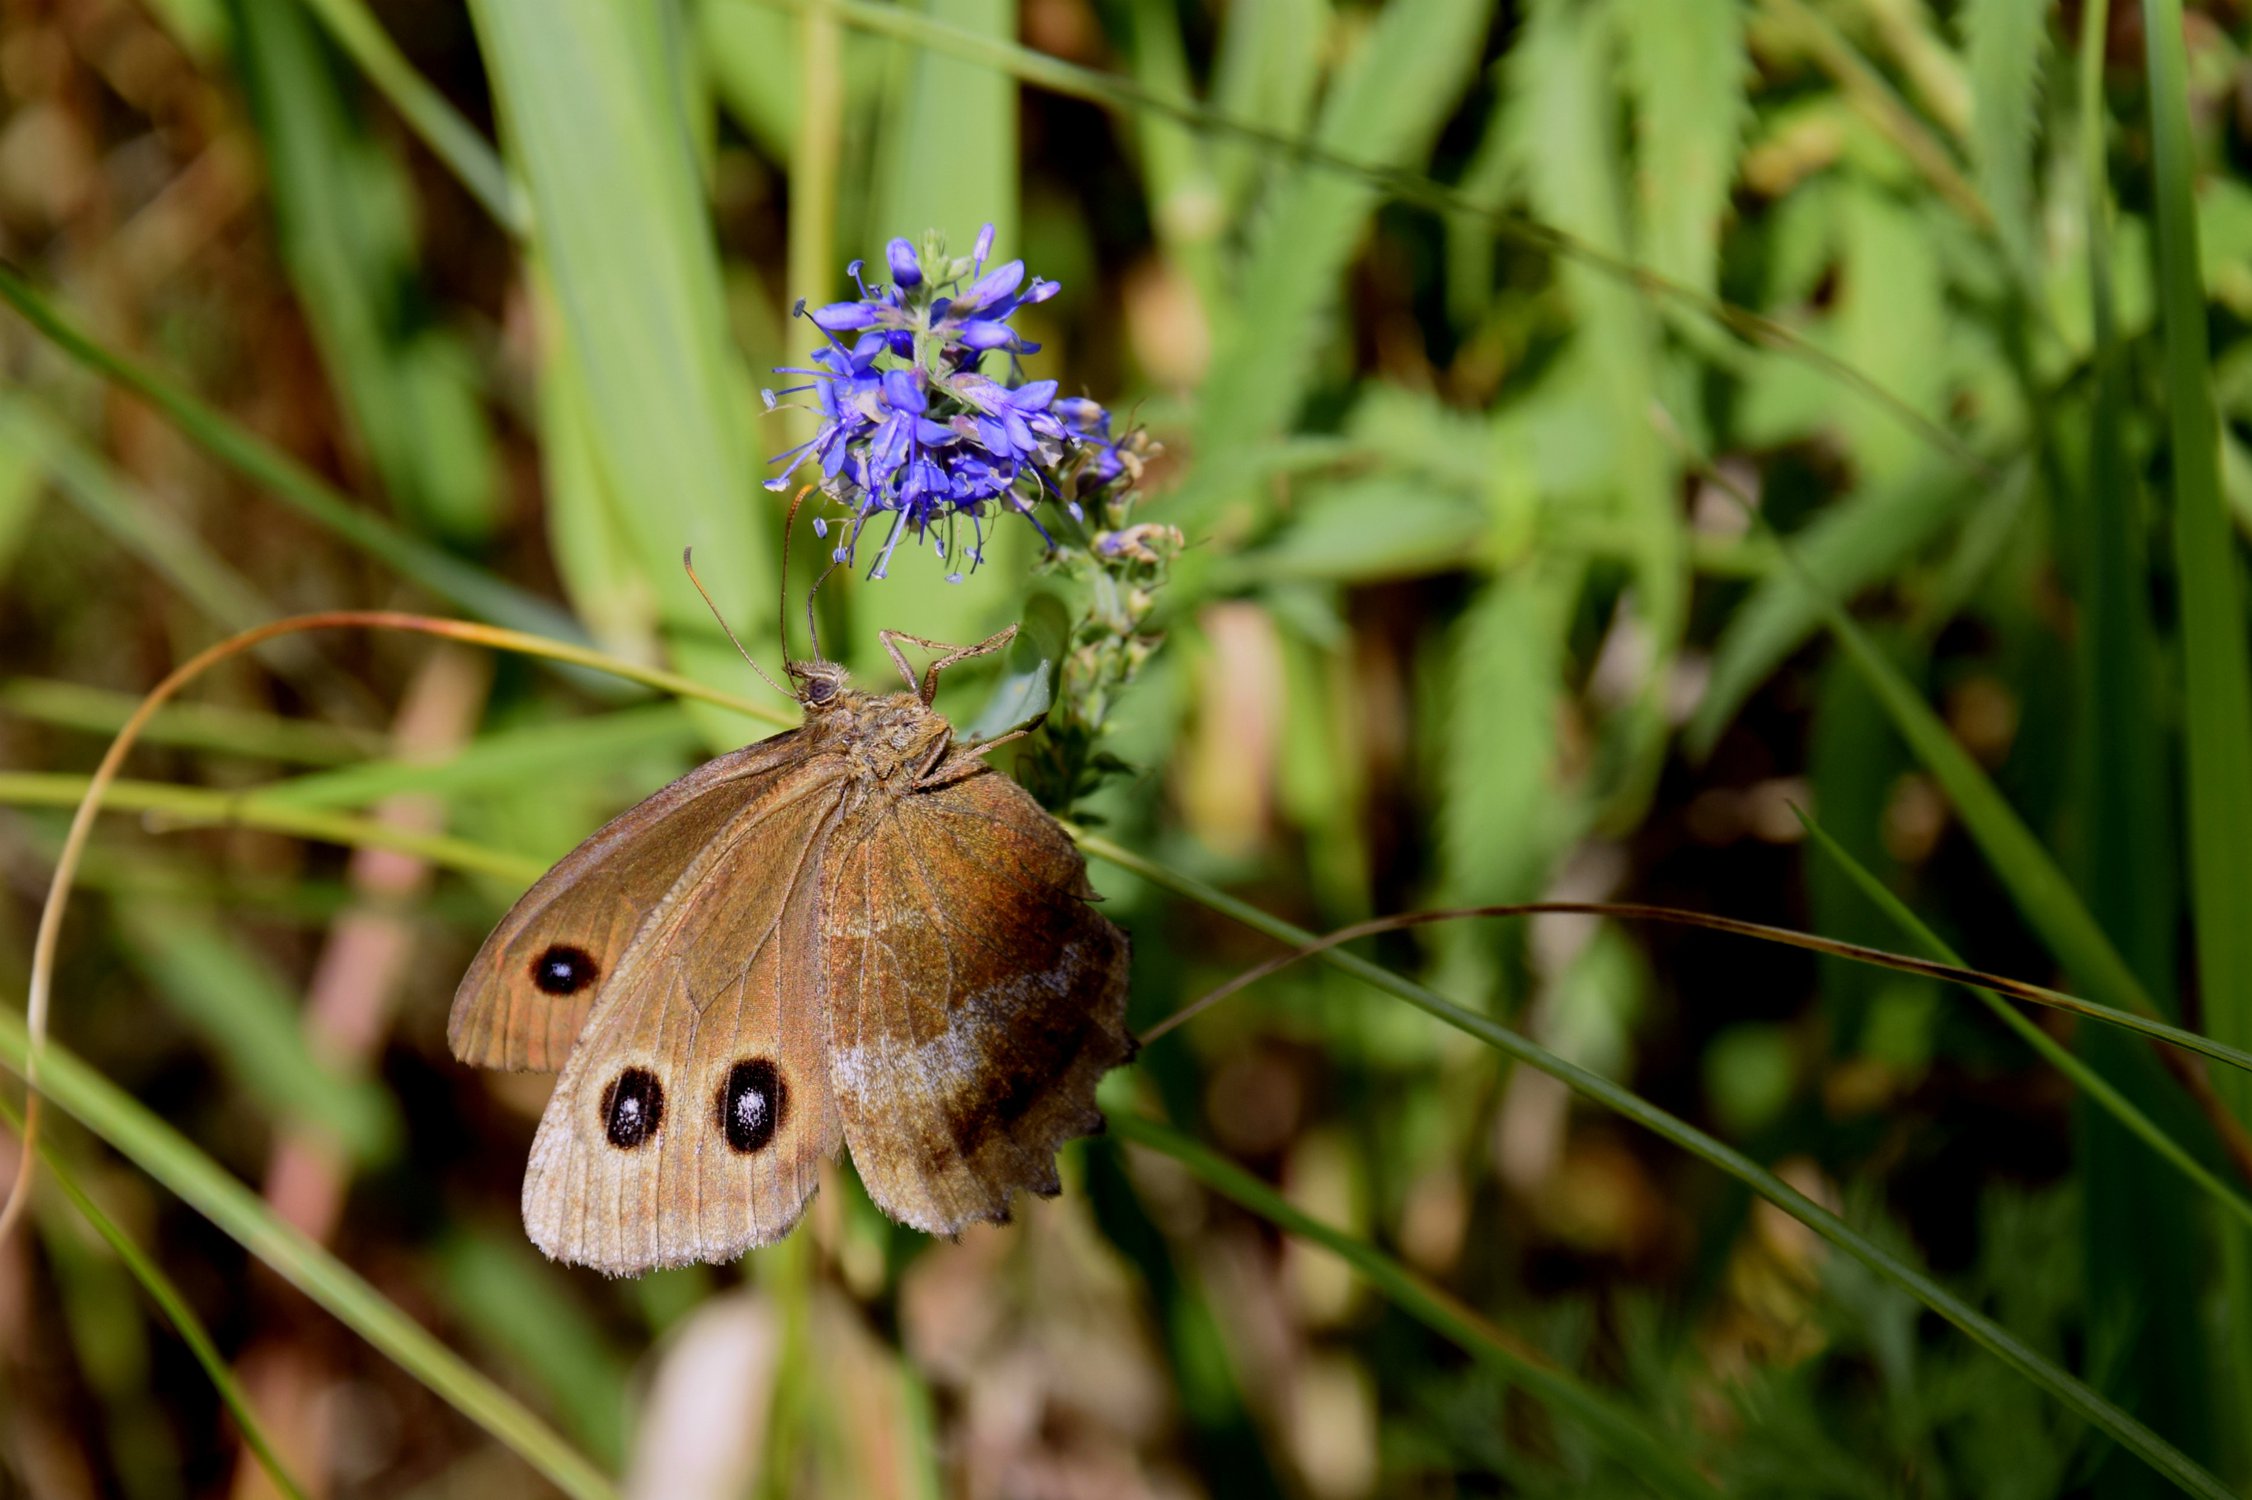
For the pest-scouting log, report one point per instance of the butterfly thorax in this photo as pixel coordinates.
(887, 739)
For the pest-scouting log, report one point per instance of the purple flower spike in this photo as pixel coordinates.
(913, 429)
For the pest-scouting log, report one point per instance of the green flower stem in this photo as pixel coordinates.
(174, 1161)
(201, 807)
(1629, 1434)
(176, 1309)
(2075, 1395)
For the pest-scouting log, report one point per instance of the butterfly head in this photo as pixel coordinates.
(820, 684)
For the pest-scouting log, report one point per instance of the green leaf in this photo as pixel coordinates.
(2071, 1393)
(252, 1022)
(1506, 811)
(1265, 361)
(1358, 530)
(454, 141)
(592, 105)
(283, 477)
(2217, 687)
(1686, 64)
(176, 1308)
(1892, 323)
(1854, 543)
(1266, 68)
(341, 217)
(2007, 40)
(510, 757)
(22, 451)
(950, 150)
(752, 54)
(172, 1160)
(517, 1304)
(1026, 686)
(1631, 1437)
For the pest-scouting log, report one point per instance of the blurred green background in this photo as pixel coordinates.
(1609, 433)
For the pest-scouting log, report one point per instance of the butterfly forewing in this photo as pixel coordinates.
(527, 994)
(692, 1119)
(974, 996)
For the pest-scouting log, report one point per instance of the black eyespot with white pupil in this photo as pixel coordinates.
(564, 970)
(751, 1102)
(633, 1108)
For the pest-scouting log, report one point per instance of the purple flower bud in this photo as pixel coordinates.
(983, 335)
(840, 316)
(984, 245)
(902, 394)
(906, 270)
(820, 525)
(991, 287)
(1040, 291)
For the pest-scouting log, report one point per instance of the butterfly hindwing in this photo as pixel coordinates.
(975, 997)
(691, 1119)
(528, 991)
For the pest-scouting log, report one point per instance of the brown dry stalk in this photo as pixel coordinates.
(41, 989)
(2187, 1069)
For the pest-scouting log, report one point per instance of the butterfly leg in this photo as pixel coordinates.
(929, 685)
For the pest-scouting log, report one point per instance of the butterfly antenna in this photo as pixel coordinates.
(782, 598)
(812, 627)
(687, 560)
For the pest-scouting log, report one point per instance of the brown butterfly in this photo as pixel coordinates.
(856, 931)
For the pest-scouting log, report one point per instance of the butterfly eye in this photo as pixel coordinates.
(633, 1108)
(820, 690)
(750, 1104)
(564, 970)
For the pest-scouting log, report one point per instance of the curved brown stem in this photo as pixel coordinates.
(39, 992)
(2187, 1070)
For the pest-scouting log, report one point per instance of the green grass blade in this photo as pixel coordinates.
(752, 55)
(1266, 67)
(1263, 365)
(1856, 541)
(146, 530)
(511, 757)
(1686, 64)
(251, 1021)
(2138, 1124)
(2217, 685)
(169, 1157)
(950, 157)
(592, 105)
(175, 1308)
(2070, 1392)
(342, 223)
(1401, 185)
(520, 1306)
(467, 154)
(193, 726)
(2146, 1268)
(2038, 887)
(479, 593)
(2007, 39)
(194, 807)
(1637, 1444)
